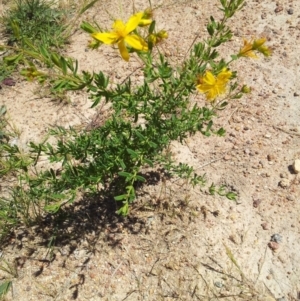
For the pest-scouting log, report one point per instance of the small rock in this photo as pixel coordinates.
(284, 183)
(256, 203)
(263, 15)
(172, 266)
(276, 238)
(290, 11)
(247, 151)
(265, 226)
(273, 245)
(270, 157)
(296, 94)
(296, 166)
(290, 198)
(278, 9)
(218, 284)
(234, 238)
(9, 82)
(283, 175)
(268, 136)
(227, 157)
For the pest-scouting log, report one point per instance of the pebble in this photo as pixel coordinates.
(268, 136)
(283, 175)
(278, 9)
(284, 183)
(290, 198)
(296, 166)
(218, 284)
(227, 157)
(270, 157)
(290, 11)
(256, 203)
(247, 151)
(273, 245)
(276, 238)
(296, 94)
(265, 226)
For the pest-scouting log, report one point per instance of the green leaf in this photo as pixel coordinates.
(132, 153)
(221, 132)
(85, 8)
(140, 178)
(125, 174)
(2, 110)
(152, 27)
(4, 287)
(120, 197)
(55, 59)
(124, 209)
(149, 162)
(13, 59)
(63, 65)
(54, 208)
(231, 196)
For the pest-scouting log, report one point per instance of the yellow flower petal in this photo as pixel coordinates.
(136, 42)
(133, 22)
(224, 75)
(123, 50)
(258, 43)
(145, 22)
(264, 50)
(106, 37)
(247, 51)
(119, 28)
(209, 78)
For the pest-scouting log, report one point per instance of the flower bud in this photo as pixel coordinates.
(245, 89)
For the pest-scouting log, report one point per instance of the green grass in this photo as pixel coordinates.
(38, 21)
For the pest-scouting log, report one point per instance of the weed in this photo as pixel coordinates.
(145, 117)
(35, 20)
(11, 270)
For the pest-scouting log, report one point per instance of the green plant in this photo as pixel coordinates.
(145, 118)
(11, 270)
(36, 20)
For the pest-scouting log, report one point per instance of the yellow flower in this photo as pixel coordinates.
(155, 38)
(121, 36)
(258, 45)
(212, 86)
(162, 34)
(247, 50)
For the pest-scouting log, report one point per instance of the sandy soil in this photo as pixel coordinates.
(180, 251)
